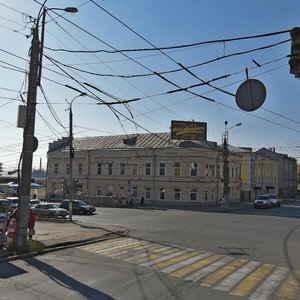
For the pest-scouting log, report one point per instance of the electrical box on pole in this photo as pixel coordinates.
(294, 60)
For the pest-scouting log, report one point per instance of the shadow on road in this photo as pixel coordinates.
(67, 281)
(8, 270)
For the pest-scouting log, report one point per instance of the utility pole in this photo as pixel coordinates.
(71, 156)
(225, 167)
(30, 142)
(226, 163)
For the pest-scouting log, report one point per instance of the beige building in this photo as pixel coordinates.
(149, 165)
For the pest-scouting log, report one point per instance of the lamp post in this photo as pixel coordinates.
(30, 142)
(71, 155)
(226, 163)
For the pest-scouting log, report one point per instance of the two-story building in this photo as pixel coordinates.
(153, 166)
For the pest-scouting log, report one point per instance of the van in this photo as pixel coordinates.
(13, 203)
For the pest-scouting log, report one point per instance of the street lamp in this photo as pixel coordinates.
(30, 142)
(226, 163)
(71, 154)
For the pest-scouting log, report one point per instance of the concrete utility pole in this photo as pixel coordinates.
(226, 163)
(30, 142)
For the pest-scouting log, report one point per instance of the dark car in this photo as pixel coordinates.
(78, 207)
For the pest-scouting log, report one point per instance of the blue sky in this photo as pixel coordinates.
(164, 23)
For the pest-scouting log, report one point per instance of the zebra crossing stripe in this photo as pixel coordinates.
(164, 258)
(137, 250)
(215, 277)
(249, 283)
(227, 283)
(174, 260)
(99, 244)
(272, 281)
(116, 247)
(209, 269)
(290, 287)
(197, 265)
(125, 247)
(184, 263)
(144, 254)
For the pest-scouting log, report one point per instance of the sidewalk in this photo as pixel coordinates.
(61, 233)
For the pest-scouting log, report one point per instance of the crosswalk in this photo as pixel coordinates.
(240, 277)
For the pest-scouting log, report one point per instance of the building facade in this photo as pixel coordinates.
(153, 166)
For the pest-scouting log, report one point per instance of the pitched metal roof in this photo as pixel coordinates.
(144, 140)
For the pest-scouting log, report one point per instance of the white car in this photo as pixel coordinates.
(274, 200)
(262, 201)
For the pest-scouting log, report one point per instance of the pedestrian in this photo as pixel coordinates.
(142, 201)
(31, 223)
(222, 201)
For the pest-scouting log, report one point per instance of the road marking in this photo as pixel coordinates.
(144, 254)
(290, 287)
(164, 258)
(227, 283)
(125, 247)
(197, 265)
(238, 277)
(272, 281)
(252, 280)
(187, 262)
(118, 246)
(137, 250)
(209, 269)
(174, 260)
(222, 273)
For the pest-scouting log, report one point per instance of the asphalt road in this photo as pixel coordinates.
(265, 239)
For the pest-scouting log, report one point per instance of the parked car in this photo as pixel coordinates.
(13, 203)
(49, 210)
(274, 200)
(262, 201)
(34, 202)
(78, 207)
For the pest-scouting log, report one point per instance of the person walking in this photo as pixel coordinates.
(142, 201)
(31, 223)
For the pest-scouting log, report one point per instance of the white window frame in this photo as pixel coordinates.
(162, 194)
(110, 168)
(194, 168)
(148, 192)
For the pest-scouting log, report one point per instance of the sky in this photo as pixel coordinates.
(116, 50)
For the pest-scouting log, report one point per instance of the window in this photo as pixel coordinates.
(98, 191)
(134, 191)
(212, 170)
(206, 195)
(232, 170)
(177, 194)
(99, 168)
(148, 192)
(193, 195)
(67, 168)
(80, 168)
(134, 169)
(162, 192)
(55, 168)
(177, 169)
(162, 169)
(194, 169)
(122, 169)
(110, 168)
(236, 172)
(206, 170)
(148, 169)
(218, 171)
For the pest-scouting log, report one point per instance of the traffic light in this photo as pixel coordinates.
(294, 60)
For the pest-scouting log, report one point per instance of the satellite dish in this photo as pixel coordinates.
(250, 95)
